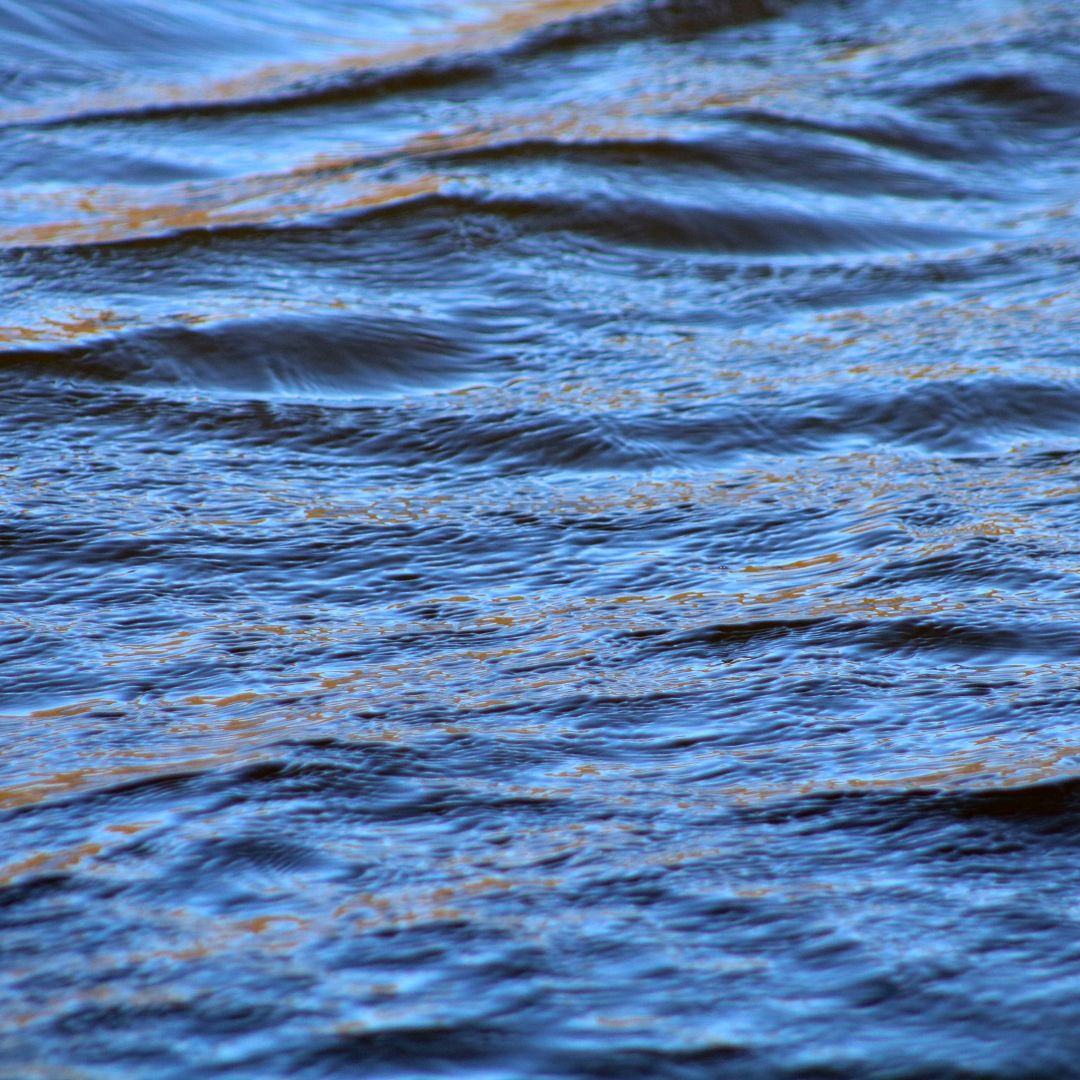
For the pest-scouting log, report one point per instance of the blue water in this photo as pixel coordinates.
(540, 539)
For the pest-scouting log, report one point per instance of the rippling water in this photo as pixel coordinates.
(540, 538)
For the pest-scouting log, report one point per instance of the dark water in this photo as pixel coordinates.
(540, 539)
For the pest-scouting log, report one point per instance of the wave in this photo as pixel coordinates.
(351, 357)
(649, 18)
(441, 70)
(298, 356)
(740, 152)
(430, 75)
(977, 638)
(629, 219)
(1045, 810)
(1009, 98)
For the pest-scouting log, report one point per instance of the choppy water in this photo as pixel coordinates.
(540, 538)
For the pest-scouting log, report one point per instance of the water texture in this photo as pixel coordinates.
(540, 539)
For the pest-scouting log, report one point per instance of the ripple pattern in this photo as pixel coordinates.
(539, 539)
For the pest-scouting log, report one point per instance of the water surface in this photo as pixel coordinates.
(539, 538)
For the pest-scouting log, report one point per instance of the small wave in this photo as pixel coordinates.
(620, 22)
(968, 416)
(647, 18)
(978, 638)
(982, 559)
(743, 152)
(888, 132)
(631, 219)
(239, 856)
(975, 639)
(430, 75)
(513, 442)
(310, 356)
(1037, 803)
(1011, 97)
(1040, 806)
(642, 221)
(727, 639)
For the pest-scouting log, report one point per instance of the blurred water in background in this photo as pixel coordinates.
(539, 538)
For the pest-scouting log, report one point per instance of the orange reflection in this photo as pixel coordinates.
(48, 861)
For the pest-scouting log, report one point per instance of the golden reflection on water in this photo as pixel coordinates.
(459, 886)
(114, 219)
(214, 731)
(575, 639)
(48, 862)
